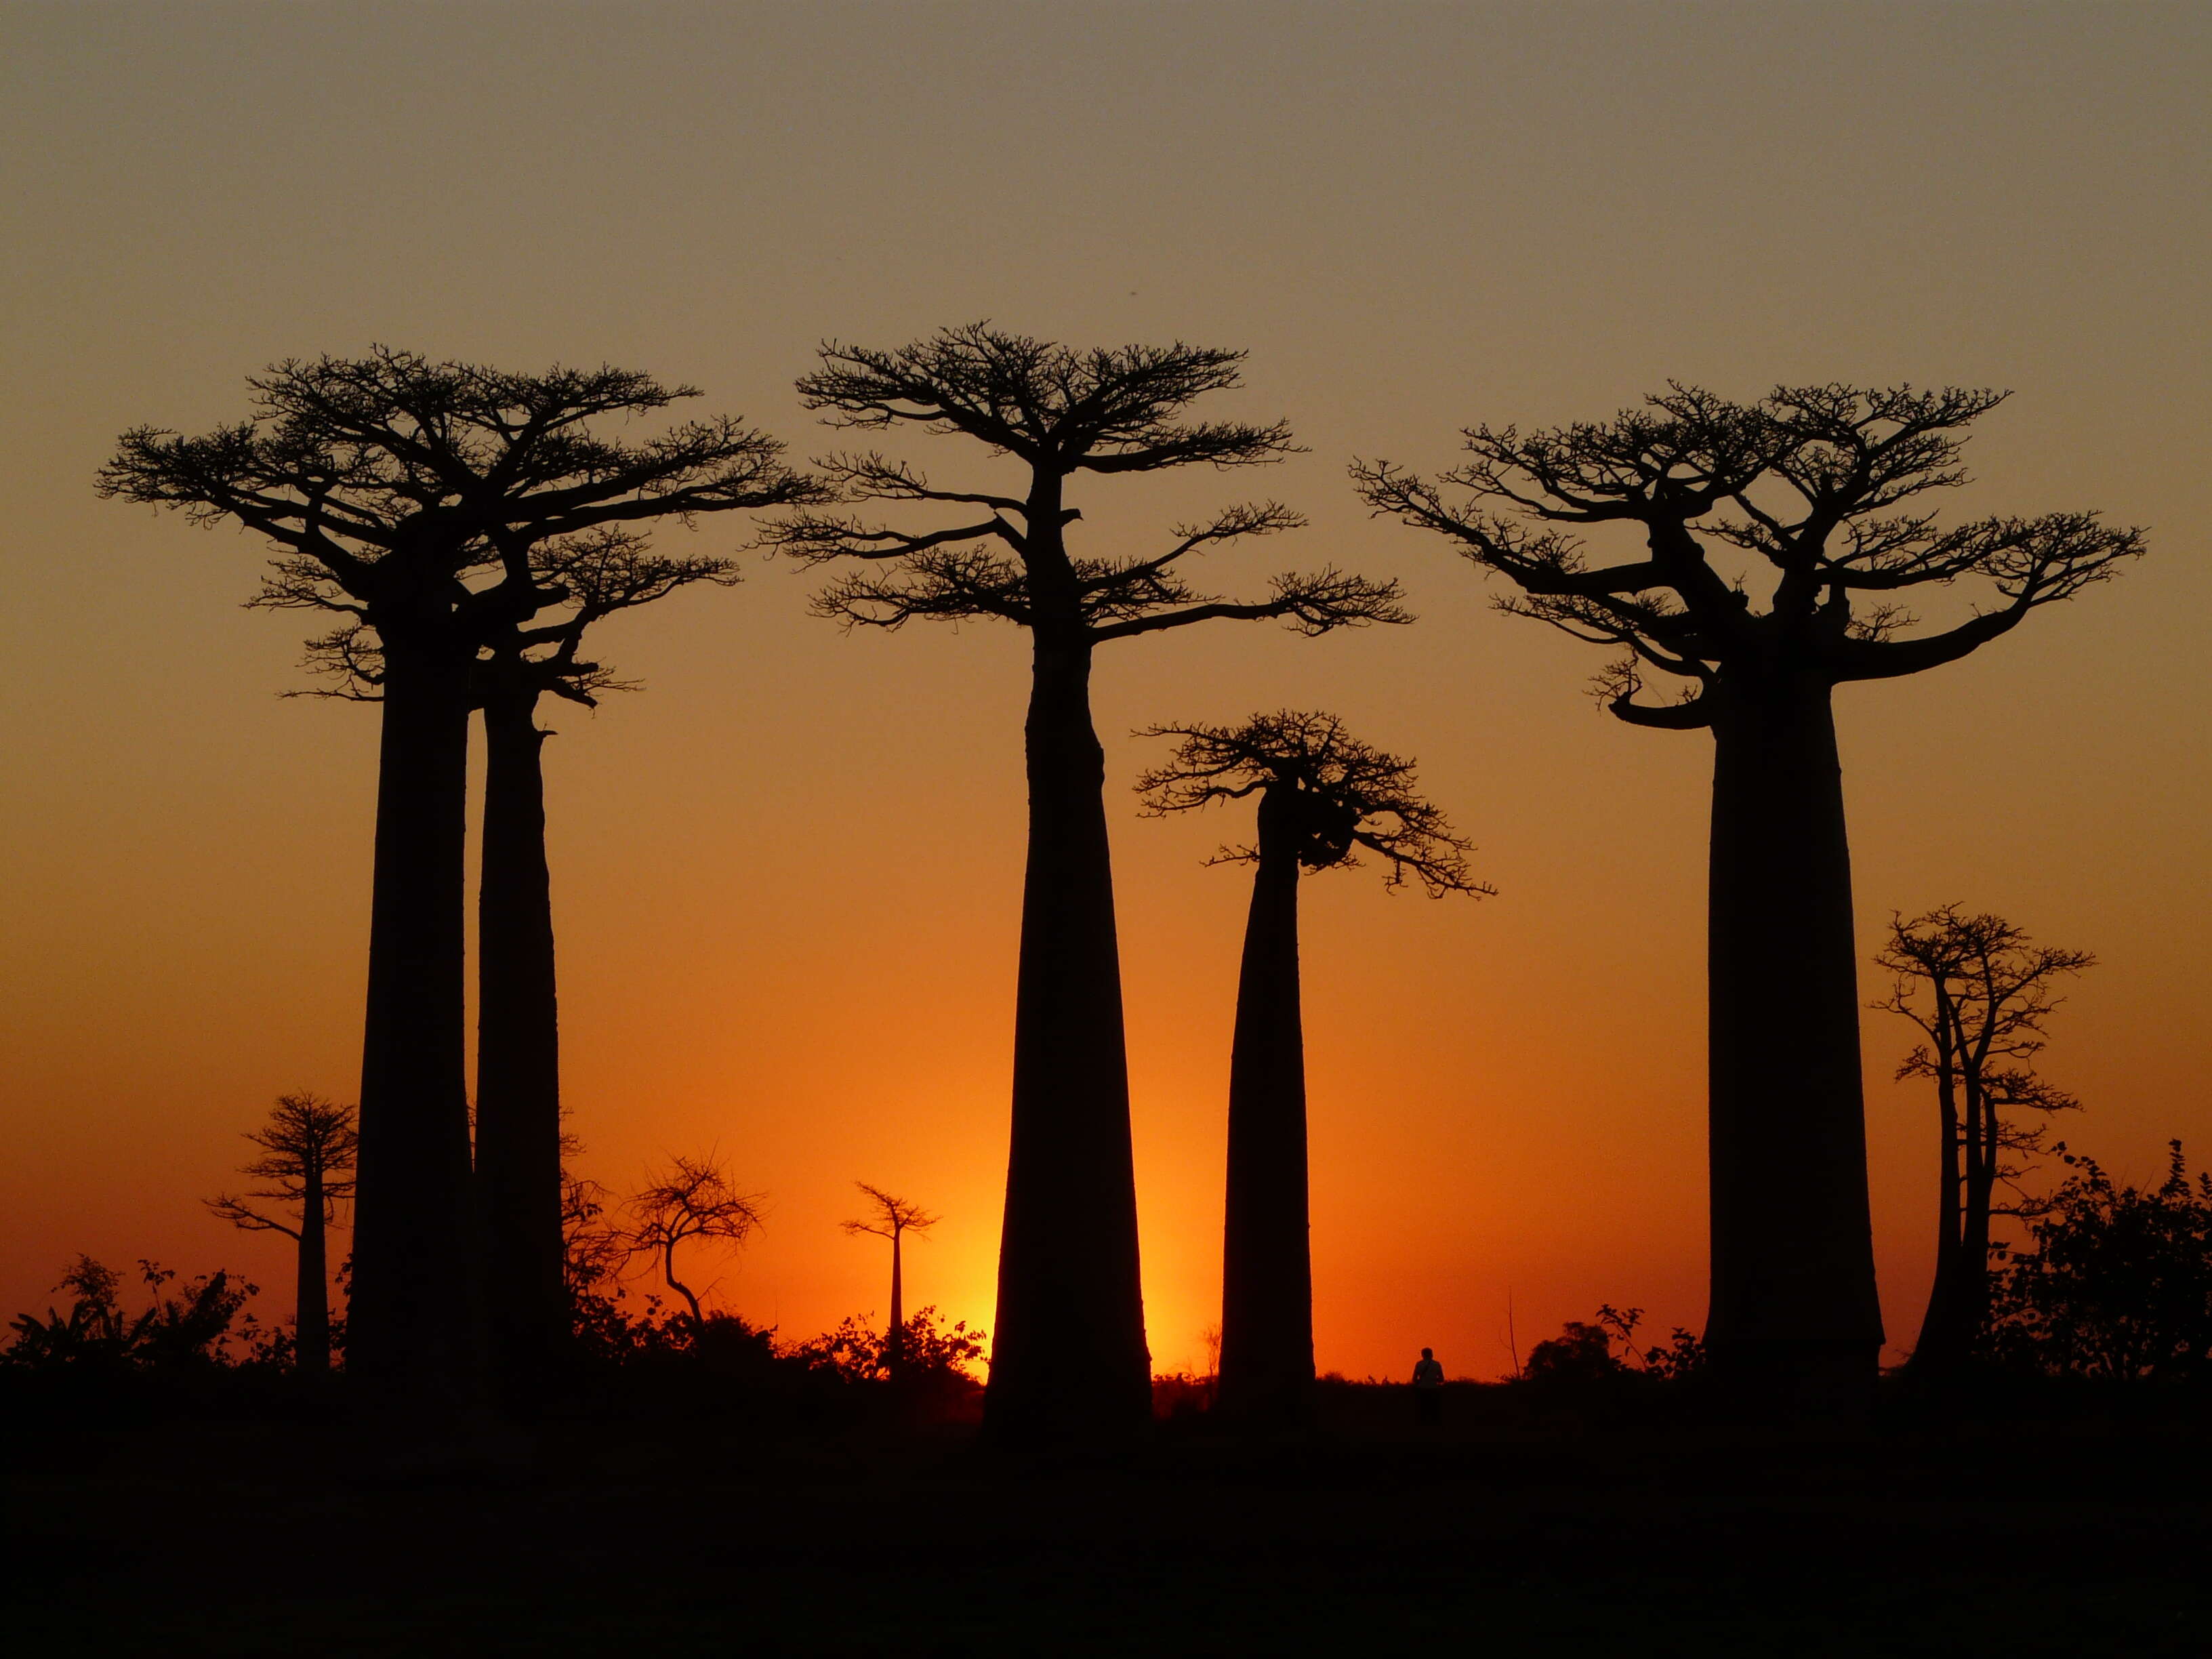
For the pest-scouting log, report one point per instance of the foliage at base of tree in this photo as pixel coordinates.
(202, 1324)
(2117, 1284)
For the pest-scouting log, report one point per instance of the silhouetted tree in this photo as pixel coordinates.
(693, 1199)
(2119, 1283)
(1070, 1354)
(1323, 796)
(1979, 989)
(307, 1151)
(893, 1219)
(409, 494)
(1817, 483)
(582, 578)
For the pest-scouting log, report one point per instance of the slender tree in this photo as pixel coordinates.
(517, 1030)
(1323, 796)
(692, 1199)
(893, 1217)
(1069, 1354)
(1821, 487)
(408, 494)
(1979, 989)
(307, 1151)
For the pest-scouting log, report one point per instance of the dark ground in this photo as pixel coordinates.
(1502, 1532)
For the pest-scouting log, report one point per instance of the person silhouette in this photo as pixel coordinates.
(1429, 1388)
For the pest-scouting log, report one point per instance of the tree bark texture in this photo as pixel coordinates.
(1068, 1356)
(517, 1058)
(310, 1316)
(410, 1329)
(1266, 1277)
(1795, 1323)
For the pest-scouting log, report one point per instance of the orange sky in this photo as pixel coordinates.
(787, 875)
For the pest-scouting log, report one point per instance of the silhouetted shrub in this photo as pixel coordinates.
(2118, 1284)
(202, 1326)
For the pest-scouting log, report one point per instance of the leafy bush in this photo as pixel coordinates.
(1581, 1357)
(2118, 1284)
(196, 1328)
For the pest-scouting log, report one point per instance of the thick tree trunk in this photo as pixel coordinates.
(410, 1330)
(1934, 1351)
(1973, 1304)
(1266, 1272)
(1795, 1325)
(517, 1060)
(1068, 1357)
(895, 1351)
(310, 1316)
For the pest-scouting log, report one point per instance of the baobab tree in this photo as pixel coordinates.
(893, 1217)
(308, 1151)
(408, 494)
(1979, 988)
(1324, 796)
(1821, 486)
(582, 579)
(692, 1199)
(1069, 1356)
(518, 1140)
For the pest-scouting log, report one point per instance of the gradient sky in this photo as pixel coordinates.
(787, 875)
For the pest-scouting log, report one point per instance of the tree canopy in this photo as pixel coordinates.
(1818, 483)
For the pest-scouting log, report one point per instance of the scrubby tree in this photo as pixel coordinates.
(1980, 989)
(1323, 796)
(408, 494)
(308, 1151)
(692, 1199)
(1069, 1355)
(893, 1217)
(1817, 493)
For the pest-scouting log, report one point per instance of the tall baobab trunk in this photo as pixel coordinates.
(894, 1347)
(1266, 1365)
(410, 1329)
(1935, 1348)
(1068, 1355)
(311, 1318)
(1795, 1321)
(518, 1056)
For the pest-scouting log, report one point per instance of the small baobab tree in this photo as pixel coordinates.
(693, 1199)
(1069, 1356)
(1979, 989)
(409, 494)
(1812, 495)
(308, 1151)
(893, 1217)
(1323, 798)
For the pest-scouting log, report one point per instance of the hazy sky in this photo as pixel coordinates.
(787, 873)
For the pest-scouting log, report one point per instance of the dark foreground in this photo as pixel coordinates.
(1532, 1534)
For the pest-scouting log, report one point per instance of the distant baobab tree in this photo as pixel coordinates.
(308, 1151)
(1069, 1356)
(408, 495)
(1323, 798)
(692, 1199)
(1979, 988)
(893, 1219)
(1814, 483)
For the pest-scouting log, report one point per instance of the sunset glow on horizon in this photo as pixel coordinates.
(787, 874)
